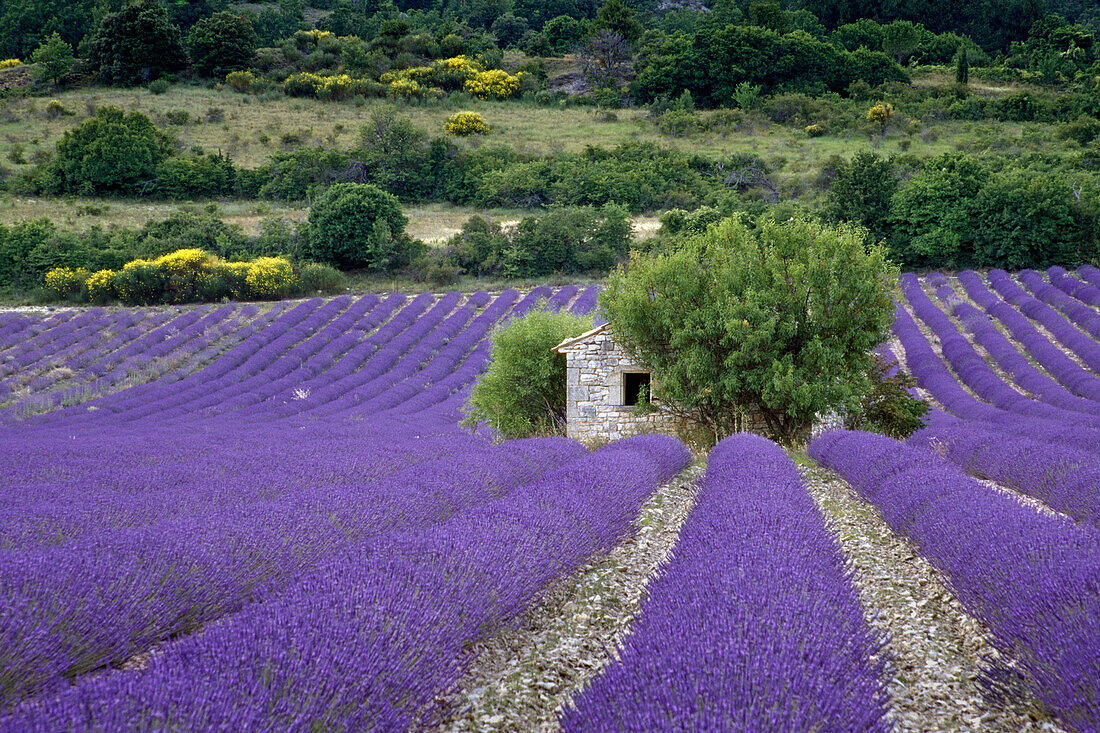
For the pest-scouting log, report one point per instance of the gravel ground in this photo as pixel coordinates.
(523, 676)
(936, 650)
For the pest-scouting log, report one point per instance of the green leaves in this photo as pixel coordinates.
(781, 320)
(523, 391)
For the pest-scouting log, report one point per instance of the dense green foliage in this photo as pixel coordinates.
(112, 152)
(955, 212)
(861, 192)
(134, 45)
(221, 43)
(30, 249)
(781, 320)
(888, 407)
(355, 225)
(522, 393)
(563, 240)
(53, 60)
(712, 63)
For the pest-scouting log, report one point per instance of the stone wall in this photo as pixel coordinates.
(594, 409)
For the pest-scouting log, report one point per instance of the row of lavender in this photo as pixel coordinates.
(1052, 456)
(753, 625)
(1033, 578)
(367, 637)
(217, 496)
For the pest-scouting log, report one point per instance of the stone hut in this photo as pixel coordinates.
(605, 388)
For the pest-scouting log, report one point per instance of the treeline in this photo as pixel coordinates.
(954, 211)
(813, 47)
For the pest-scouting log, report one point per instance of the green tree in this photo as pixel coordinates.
(221, 43)
(901, 40)
(394, 153)
(357, 225)
(616, 17)
(113, 152)
(135, 45)
(782, 320)
(1019, 219)
(862, 191)
(522, 393)
(962, 67)
(53, 59)
(563, 33)
(930, 214)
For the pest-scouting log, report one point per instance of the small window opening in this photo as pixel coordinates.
(636, 388)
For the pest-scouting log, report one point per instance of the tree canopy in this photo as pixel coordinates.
(782, 320)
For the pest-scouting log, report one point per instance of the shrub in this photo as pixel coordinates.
(159, 86)
(815, 130)
(10, 63)
(493, 84)
(190, 275)
(465, 123)
(65, 282)
(887, 407)
(522, 393)
(220, 43)
(100, 286)
(880, 114)
(113, 152)
(296, 174)
(270, 278)
(317, 278)
(861, 192)
(1083, 130)
(240, 81)
(355, 225)
(196, 176)
(55, 109)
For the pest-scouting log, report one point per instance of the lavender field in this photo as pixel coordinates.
(245, 517)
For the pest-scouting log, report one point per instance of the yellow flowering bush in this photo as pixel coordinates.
(270, 277)
(183, 276)
(880, 114)
(8, 63)
(493, 84)
(465, 123)
(815, 130)
(101, 286)
(62, 282)
(340, 86)
(180, 262)
(304, 84)
(240, 81)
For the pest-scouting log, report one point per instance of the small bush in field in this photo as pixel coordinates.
(160, 86)
(55, 109)
(522, 393)
(815, 130)
(320, 278)
(100, 286)
(465, 123)
(64, 282)
(240, 81)
(270, 277)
